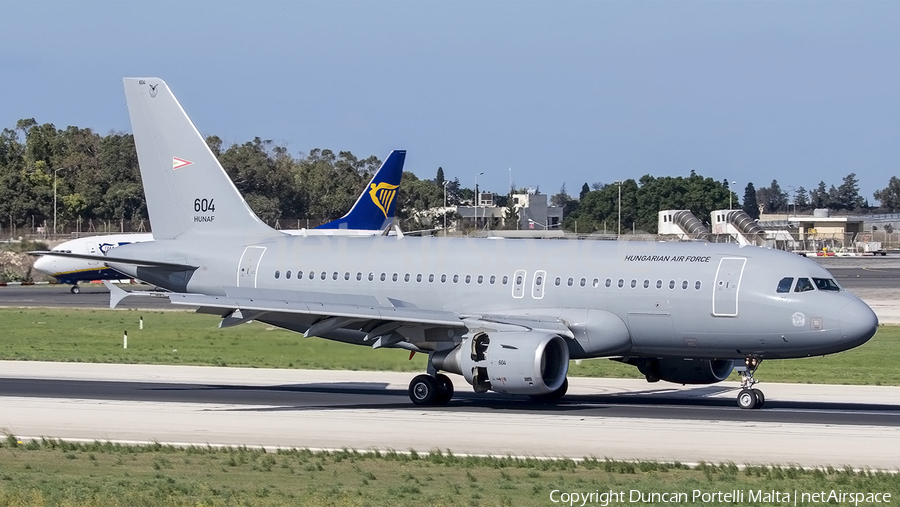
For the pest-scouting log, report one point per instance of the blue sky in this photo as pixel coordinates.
(561, 92)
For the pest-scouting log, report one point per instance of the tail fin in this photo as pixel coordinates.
(374, 210)
(187, 190)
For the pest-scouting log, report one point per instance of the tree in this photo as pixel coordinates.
(512, 218)
(584, 191)
(750, 206)
(801, 199)
(847, 194)
(772, 197)
(889, 196)
(818, 198)
(439, 178)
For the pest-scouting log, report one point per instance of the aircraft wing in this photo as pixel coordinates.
(327, 312)
(348, 309)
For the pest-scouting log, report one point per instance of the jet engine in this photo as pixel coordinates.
(683, 371)
(526, 362)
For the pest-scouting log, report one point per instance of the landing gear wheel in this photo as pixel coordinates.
(750, 397)
(747, 399)
(75, 289)
(554, 396)
(444, 389)
(423, 390)
(760, 398)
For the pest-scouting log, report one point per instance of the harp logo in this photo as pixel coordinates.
(382, 195)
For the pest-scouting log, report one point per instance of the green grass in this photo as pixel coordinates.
(179, 338)
(52, 472)
(186, 338)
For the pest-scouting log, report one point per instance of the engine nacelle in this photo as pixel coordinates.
(509, 362)
(684, 371)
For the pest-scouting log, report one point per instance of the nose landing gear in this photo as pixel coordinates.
(749, 397)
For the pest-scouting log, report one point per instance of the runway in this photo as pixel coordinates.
(623, 419)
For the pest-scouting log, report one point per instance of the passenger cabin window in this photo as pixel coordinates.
(827, 284)
(803, 285)
(277, 274)
(288, 274)
(785, 284)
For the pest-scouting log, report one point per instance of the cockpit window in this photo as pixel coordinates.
(785, 284)
(827, 284)
(803, 285)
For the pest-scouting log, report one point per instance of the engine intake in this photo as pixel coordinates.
(509, 362)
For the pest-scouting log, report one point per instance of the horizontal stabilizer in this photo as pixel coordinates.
(116, 295)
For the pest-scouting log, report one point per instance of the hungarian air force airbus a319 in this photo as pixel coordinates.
(508, 315)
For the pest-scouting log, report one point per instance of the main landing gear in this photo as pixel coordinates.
(749, 397)
(75, 289)
(431, 390)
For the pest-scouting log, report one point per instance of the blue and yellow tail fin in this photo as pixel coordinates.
(374, 210)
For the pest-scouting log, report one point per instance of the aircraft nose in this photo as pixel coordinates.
(858, 323)
(44, 264)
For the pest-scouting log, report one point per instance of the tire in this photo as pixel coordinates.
(747, 399)
(760, 398)
(75, 289)
(423, 389)
(445, 389)
(554, 396)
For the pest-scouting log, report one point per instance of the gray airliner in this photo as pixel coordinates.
(507, 315)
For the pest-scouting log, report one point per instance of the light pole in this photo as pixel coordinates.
(445, 206)
(730, 194)
(476, 198)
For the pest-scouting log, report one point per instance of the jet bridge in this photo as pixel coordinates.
(682, 223)
(739, 225)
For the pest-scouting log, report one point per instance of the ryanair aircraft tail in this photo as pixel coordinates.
(186, 188)
(374, 210)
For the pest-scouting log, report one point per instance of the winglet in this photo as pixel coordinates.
(374, 209)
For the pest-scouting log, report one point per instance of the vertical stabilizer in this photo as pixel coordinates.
(374, 210)
(187, 190)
